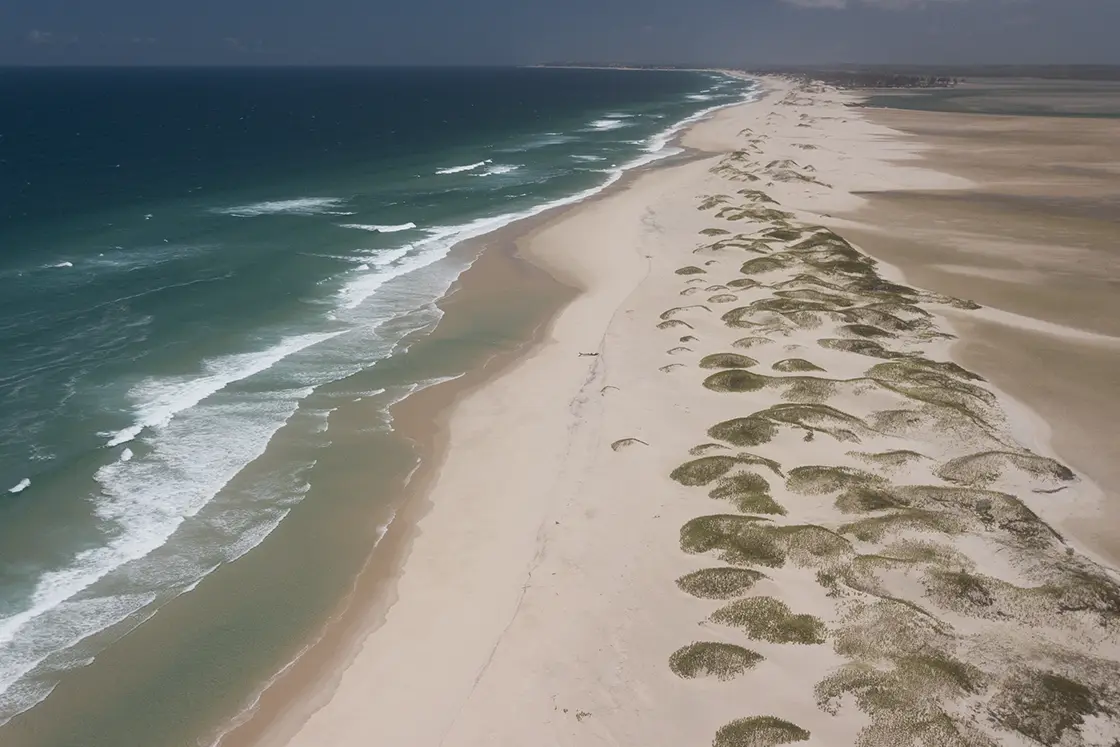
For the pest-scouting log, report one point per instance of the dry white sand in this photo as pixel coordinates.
(913, 597)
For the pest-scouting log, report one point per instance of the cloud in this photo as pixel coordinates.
(881, 4)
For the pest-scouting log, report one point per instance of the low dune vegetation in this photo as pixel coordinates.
(896, 530)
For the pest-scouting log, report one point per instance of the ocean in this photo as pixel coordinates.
(198, 269)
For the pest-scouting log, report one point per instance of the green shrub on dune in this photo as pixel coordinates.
(876, 528)
(751, 342)
(769, 619)
(759, 731)
(724, 661)
(859, 347)
(832, 300)
(704, 470)
(757, 195)
(757, 213)
(727, 360)
(795, 365)
(892, 459)
(816, 418)
(783, 234)
(749, 431)
(860, 499)
(749, 493)
(712, 201)
(670, 313)
(1046, 707)
(762, 265)
(864, 330)
(818, 479)
(719, 583)
(735, 540)
(986, 467)
(737, 380)
(705, 449)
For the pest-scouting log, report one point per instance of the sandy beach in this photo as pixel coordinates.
(775, 474)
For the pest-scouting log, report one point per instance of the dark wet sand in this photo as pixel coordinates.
(506, 303)
(1038, 236)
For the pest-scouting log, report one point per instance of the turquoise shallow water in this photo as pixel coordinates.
(193, 262)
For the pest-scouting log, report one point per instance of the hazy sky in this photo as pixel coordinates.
(741, 32)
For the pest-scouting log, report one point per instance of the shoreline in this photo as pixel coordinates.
(422, 418)
(509, 610)
(289, 599)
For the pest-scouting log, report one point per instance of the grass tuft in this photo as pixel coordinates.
(750, 342)
(735, 539)
(727, 360)
(859, 347)
(736, 380)
(986, 467)
(704, 470)
(818, 480)
(1044, 706)
(769, 619)
(719, 583)
(759, 731)
(750, 493)
(724, 661)
(749, 431)
(795, 365)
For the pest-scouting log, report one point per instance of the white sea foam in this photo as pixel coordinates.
(70, 623)
(121, 259)
(20, 486)
(298, 206)
(379, 228)
(460, 169)
(142, 503)
(544, 141)
(499, 169)
(589, 159)
(126, 455)
(700, 97)
(62, 264)
(603, 125)
(160, 399)
(440, 240)
(382, 267)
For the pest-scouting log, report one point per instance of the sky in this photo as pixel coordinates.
(502, 32)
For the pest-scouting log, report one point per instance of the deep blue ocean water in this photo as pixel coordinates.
(187, 256)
